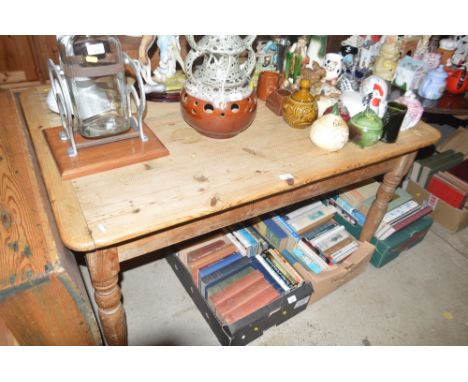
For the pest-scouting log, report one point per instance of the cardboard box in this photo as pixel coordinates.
(390, 248)
(450, 217)
(248, 328)
(337, 275)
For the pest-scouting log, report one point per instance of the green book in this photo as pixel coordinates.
(434, 167)
(218, 287)
(399, 198)
(418, 165)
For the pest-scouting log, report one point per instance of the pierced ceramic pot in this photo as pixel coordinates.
(217, 100)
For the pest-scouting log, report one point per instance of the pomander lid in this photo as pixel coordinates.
(367, 120)
(303, 94)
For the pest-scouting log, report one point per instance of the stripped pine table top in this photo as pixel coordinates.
(199, 178)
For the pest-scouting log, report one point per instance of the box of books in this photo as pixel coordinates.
(320, 250)
(240, 284)
(454, 219)
(388, 249)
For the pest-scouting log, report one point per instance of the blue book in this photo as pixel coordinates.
(351, 210)
(222, 274)
(305, 261)
(256, 264)
(225, 261)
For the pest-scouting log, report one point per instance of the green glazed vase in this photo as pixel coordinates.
(365, 128)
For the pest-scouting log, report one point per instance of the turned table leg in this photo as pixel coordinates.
(384, 194)
(104, 269)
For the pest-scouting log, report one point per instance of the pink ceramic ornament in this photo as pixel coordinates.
(415, 110)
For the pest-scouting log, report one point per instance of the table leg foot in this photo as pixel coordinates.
(104, 269)
(384, 194)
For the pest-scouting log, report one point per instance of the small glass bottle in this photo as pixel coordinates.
(94, 70)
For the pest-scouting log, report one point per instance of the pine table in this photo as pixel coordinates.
(203, 185)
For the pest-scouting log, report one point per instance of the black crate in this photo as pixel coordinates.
(252, 326)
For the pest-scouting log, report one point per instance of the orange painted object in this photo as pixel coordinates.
(267, 83)
(215, 122)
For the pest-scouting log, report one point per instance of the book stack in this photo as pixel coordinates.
(238, 273)
(353, 206)
(452, 185)
(308, 235)
(423, 170)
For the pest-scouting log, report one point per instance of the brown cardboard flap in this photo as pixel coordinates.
(457, 141)
(329, 280)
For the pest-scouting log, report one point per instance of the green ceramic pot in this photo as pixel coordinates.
(365, 128)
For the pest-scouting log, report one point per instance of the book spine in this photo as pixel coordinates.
(349, 218)
(272, 273)
(351, 210)
(198, 253)
(279, 268)
(252, 305)
(316, 253)
(237, 244)
(344, 252)
(236, 287)
(306, 260)
(404, 223)
(327, 235)
(287, 267)
(404, 208)
(319, 230)
(217, 265)
(311, 208)
(244, 295)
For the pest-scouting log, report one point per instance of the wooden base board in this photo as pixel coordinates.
(91, 160)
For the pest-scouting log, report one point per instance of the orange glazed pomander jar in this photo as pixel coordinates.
(217, 100)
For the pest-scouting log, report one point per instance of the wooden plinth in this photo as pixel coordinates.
(91, 160)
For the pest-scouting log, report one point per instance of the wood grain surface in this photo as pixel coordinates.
(42, 298)
(201, 177)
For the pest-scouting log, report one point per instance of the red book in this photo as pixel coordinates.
(446, 191)
(236, 287)
(460, 170)
(197, 254)
(210, 258)
(241, 297)
(252, 305)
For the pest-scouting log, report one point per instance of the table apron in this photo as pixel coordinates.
(179, 233)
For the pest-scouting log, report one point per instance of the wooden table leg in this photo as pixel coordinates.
(384, 194)
(104, 269)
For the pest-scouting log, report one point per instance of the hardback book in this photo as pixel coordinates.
(405, 222)
(429, 170)
(447, 191)
(330, 252)
(222, 274)
(315, 253)
(312, 234)
(218, 287)
(340, 211)
(397, 215)
(331, 241)
(460, 171)
(217, 265)
(272, 232)
(235, 287)
(200, 252)
(242, 296)
(415, 171)
(356, 196)
(264, 298)
(327, 235)
(307, 222)
(307, 209)
(354, 212)
(210, 258)
(399, 198)
(234, 240)
(344, 252)
(273, 273)
(306, 257)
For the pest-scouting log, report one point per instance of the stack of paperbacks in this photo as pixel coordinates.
(308, 235)
(354, 204)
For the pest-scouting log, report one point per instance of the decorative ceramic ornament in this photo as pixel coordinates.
(340, 109)
(317, 49)
(314, 73)
(422, 47)
(365, 128)
(408, 45)
(323, 103)
(377, 88)
(333, 64)
(217, 100)
(434, 84)
(407, 71)
(300, 109)
(330, 132)
(457, 81)
(415, 110)
(353, 101)
(461, 53)
(386, 63)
